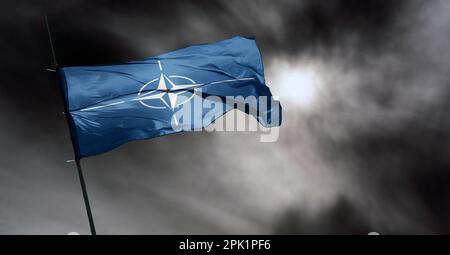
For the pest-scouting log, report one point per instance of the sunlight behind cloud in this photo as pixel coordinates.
(295, 83)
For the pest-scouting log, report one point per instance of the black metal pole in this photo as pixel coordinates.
(50, 39)
(80, 171)
(86, 198)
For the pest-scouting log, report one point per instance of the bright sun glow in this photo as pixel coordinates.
(297, 85)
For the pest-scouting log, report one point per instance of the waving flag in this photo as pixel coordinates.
(111, 105)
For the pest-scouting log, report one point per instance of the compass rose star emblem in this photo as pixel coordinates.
(167, 91)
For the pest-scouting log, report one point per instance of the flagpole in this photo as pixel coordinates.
(86, 198)
(77, 161)
(50, 39)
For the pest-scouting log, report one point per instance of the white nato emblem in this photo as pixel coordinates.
(164, 92)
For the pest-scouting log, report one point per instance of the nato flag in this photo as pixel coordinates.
(113, 104)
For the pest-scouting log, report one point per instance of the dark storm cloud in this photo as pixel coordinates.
(369, 155)
(396, 123)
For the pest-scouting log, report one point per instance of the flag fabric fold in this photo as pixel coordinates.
(113, 104)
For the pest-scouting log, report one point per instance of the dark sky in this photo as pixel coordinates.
(364, 144)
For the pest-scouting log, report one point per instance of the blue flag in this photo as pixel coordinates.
(113, 104)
